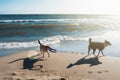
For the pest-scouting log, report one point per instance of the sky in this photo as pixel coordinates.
(59, 6)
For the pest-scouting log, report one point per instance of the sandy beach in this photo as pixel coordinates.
(74, 32)
(60, 66)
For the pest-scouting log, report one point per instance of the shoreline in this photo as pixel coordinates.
(72, 66)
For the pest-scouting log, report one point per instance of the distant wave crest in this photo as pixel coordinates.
(56, 20)
(104, 22)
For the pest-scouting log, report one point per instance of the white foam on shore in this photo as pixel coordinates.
(45, 41)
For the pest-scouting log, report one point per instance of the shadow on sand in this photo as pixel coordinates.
(28, 63)
(92, 61)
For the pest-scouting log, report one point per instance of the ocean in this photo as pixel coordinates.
(63, 32)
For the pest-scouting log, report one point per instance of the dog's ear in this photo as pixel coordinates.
(105, 40)
(108, 42)
(90, 39)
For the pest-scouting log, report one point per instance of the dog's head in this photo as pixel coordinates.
(107, 43)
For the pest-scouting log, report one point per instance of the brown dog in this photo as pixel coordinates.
(97, 45)
(44, 48)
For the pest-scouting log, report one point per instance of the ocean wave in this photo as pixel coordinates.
(47, 41)
(104, 23)
(57, 20)
(59, 38)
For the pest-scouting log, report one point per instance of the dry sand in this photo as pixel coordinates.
(61, 66)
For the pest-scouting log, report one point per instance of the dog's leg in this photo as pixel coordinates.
(43, 54)
(88, 50)
(102, 53)
(94, 52)
(48, 54)
(98, 53)
(41, 51)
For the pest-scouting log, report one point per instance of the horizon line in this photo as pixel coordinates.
(52, 14)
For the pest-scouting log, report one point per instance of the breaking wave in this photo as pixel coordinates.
(46, 41)
(56, 20)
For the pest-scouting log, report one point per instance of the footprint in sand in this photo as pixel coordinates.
(106, 71)
(90, 72)
(99, 72)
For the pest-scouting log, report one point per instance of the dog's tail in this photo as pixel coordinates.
(39, 42)
(52, 50)
(90, 39)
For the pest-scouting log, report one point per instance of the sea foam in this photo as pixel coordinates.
(46, 41)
